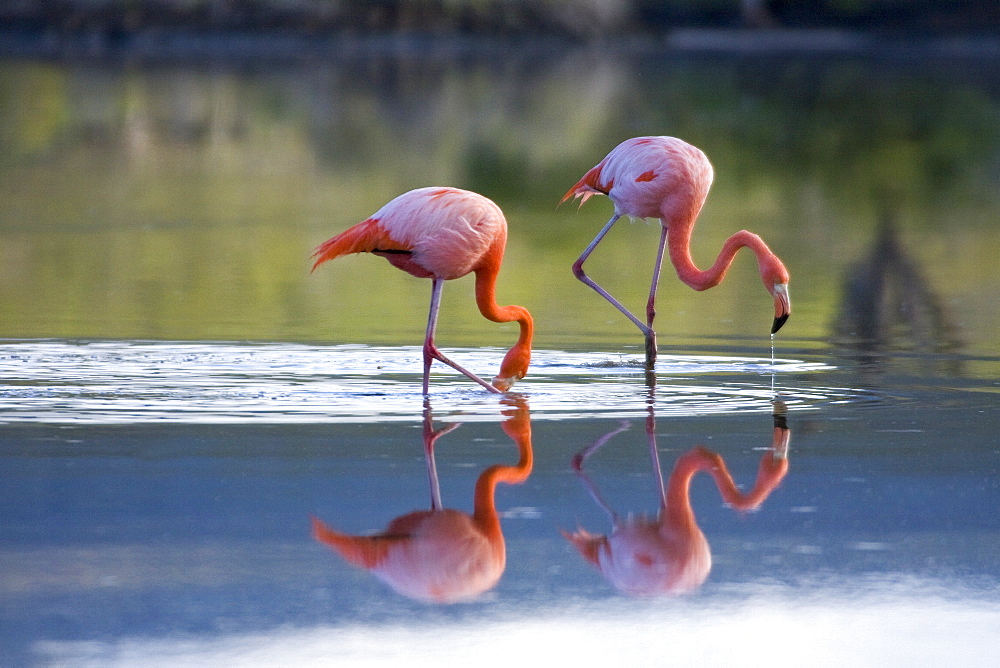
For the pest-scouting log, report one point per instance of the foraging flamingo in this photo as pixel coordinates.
(442, 555)
(669, 554)
(443, 234)
(666, 178)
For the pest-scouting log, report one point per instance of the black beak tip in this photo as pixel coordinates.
(778, 322)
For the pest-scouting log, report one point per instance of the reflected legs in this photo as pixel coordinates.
(430, 437)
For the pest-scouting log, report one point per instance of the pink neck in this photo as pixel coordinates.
(518, 428)
(678, 511)
(519, 355)
(770, 473)
(680, 255)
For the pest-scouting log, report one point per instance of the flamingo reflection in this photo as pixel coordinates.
(442, 555)
(669, 554)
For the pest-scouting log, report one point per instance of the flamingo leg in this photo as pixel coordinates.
(579, 273)
(651, 348)
(654, 455)
(585, 479)
(431, 352)
(432, 474)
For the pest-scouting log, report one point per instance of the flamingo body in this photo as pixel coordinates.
(643, 173)
(443, 555)
(428, 232)
(645, 556)
(439, 556)
(669, 554)
(669, 179)
(443, 234)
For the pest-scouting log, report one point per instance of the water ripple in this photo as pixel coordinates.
(115, 382)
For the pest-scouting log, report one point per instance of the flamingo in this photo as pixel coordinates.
(667, 178)
(442, 555)
(443, 234)
(669, 554)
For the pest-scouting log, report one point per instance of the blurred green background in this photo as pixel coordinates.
(175, 202)
(146, 198)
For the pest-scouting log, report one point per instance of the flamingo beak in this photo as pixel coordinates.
(782, 306)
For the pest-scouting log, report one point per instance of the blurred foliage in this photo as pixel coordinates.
(569, 18)
(176, 202)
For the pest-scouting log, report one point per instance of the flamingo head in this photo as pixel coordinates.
(504, 383)
(775, 278)
(505, 380)
(513, 368)
(782, 305)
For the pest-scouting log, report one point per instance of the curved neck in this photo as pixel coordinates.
(677, 500)
(519, 355)
(679, 244)
(518, 428)
(770, 473)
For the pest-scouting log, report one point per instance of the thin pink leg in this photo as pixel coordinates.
(651, 348)
(430, 437)
(579, 273)
(654, 455)
(430, 350)
(585, 479)
(432, 475)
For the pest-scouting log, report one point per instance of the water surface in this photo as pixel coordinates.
(158, 499)
(179, 397)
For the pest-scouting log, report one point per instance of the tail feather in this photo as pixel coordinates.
(588, 186)
(365, 237)
(363, 551)
(587, 544)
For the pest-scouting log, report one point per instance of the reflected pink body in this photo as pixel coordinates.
(436, 556)
(669, 554)
(442, 555)
(646, 556)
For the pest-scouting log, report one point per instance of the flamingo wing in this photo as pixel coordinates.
(588, 186)
(368, 236)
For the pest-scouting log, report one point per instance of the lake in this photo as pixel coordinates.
(210, 455)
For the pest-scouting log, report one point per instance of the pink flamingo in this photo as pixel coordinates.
(669, 554)
(442, 555)
(666, 178)
(442, 234)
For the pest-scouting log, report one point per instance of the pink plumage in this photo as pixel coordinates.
(641, 173)
(668, 553)
(443, 555)
(443, 234)
(669, 179)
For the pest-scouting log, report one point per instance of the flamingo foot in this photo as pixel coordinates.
(433, 353)
(651, 349)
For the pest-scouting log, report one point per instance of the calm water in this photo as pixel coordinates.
(179, 398)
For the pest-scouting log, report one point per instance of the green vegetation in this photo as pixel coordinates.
(183, 203)
(567, 18)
